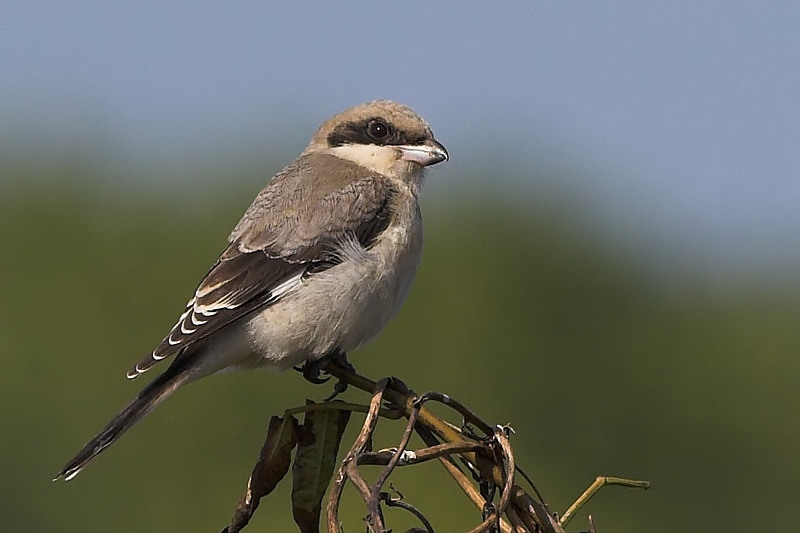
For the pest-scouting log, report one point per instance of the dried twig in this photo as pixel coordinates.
(383, 457)
(489, 481)
(598, 484)
(349, 470)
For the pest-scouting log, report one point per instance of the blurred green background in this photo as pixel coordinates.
(525, 315)
(610, 265)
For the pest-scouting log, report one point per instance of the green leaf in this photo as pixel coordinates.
(314, 463)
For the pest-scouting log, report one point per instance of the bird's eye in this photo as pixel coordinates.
(378, 130)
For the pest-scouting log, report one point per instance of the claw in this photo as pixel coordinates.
(312, 369)
(338, 388)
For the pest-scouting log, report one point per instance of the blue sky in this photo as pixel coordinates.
(680, 120)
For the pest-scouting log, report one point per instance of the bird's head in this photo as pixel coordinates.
(382, 136)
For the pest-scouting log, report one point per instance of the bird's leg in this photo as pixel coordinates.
(313, 369)
(339, 359)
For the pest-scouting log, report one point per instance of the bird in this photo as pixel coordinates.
(317, 266)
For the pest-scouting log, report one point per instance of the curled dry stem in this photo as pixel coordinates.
(348, 467)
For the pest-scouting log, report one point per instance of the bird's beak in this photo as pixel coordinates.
(427, 153)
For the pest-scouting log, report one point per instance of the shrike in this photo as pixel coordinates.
(317, 266)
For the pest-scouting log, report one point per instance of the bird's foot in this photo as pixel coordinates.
(312, 370)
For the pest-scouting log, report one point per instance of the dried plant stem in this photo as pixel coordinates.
(420, 456)
(426, 418)
(477, 455)
(598, 484)
(349, 470)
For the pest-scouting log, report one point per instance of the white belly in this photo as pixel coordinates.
(343, 307)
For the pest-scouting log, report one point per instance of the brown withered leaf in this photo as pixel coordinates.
(314, 464)
(272, 465)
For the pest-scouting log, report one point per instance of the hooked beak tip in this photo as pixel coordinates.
(426, 154)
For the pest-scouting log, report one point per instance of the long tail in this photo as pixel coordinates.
(150, 397)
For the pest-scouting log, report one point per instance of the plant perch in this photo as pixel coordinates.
(477, 455)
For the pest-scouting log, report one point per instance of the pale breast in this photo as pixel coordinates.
(347, 305)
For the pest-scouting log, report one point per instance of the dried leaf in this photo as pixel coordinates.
(271, 467)
(314, 464)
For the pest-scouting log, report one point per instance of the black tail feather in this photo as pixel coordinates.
(151, 396)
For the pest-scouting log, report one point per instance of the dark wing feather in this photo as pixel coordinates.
(292, 229)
